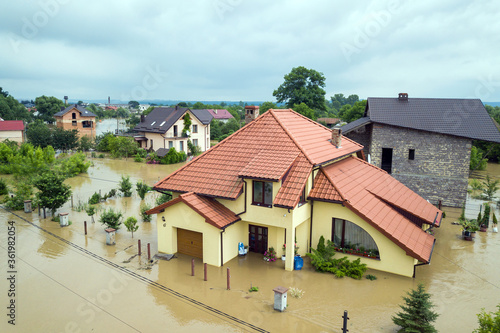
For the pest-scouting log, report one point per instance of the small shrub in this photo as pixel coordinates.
(253, 289)
(164, 197)
(93, 154)
(111, 219)
(101, 155)
(126, 186)
(371, 277)
(3, 187)
(138, 159)
(142, 189)
(90, 210)
(131, 224)
(94, 199)
(488, 322)
(296, 292)
(144, 209)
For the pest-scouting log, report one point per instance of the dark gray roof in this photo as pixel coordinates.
(162, 152)
(355, 124)
(161, 119)
(83, 111)
(203, 115)
(459, 117)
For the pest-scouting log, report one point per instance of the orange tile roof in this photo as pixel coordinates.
(213, 211)
(288, 195)
(380, 200)
(266, 148)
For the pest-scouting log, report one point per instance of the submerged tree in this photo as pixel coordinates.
(142, 189)
(126, 186)
(111, 219)
(53, 193)
(417, 315)
(131, 224)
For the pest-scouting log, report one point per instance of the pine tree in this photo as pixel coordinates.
(417, 315)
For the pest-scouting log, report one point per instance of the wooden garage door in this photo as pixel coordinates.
(190, 243)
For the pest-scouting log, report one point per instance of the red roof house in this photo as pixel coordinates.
(12, 130)
(285, 179)
(221, 114)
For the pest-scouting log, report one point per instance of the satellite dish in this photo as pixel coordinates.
(188, 133)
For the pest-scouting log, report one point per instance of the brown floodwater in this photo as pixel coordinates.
(67, 281)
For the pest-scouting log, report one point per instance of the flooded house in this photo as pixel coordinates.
(284, 179)
(78, 118)
(162, 129)
(425, 143)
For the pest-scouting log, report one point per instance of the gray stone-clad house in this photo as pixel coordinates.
(424, 143)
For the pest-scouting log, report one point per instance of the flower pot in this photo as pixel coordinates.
(283, 257)
(483, 228)
(467, 235)
(495, 228)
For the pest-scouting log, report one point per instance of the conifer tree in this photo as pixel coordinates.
(417, 315)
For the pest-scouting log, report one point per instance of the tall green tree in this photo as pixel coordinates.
(350, 113)
(38, 134)
(416, 315)
(64, 139)
(304, 110)
(52, 192)
(266, 106)
(11, 109)
(47, 106)
(302, 85)
(133, 104)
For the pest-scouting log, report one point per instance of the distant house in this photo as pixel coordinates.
(285, 179)
(328, 122)
(221, 114)
(76, 117)
(162, 128)
(12, 130)
(143, 107)
(424, 143)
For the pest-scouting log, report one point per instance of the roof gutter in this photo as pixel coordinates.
(425, 263)
(245, 204)
(337, 158)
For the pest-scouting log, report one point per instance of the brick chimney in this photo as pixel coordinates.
(251, 113)
(337, 137)
(403, 97)
(215, 111)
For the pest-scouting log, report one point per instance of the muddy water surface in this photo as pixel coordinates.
(63, 288)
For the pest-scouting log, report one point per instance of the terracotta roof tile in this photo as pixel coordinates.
(265, 148)
(289, 194)
(213, 211)
(376, 197)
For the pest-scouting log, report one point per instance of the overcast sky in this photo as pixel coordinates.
(236, 50)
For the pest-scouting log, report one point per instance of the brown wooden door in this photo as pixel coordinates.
(257, 239)
(190, 243)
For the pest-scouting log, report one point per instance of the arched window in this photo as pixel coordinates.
(351, 238)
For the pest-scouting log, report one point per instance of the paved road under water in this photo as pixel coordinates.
(69, 282)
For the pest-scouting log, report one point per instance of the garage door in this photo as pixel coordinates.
(190, 243)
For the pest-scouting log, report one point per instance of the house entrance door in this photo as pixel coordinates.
(257, 239)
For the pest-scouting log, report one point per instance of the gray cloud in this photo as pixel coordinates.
(241, 49)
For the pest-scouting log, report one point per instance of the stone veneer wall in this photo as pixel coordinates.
(440, 169)
(362, 136)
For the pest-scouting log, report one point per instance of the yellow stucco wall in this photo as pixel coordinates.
(16, 136)
(182, 216)
(393, 259)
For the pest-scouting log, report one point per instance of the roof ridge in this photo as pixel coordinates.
(271, 111)
(333, 184)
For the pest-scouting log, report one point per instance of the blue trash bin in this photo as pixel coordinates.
(298, 263)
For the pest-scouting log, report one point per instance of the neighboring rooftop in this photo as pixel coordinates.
(83, 111)
(385, 203)
(162, 118)
(459, 117)
(279, 145)
(11, 125)
(220, 113)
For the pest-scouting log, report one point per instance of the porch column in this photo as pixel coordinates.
(290, 248)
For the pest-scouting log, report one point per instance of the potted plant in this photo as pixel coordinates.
(485, 220)
(270, 255)
(283, 257)
(468, 228)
